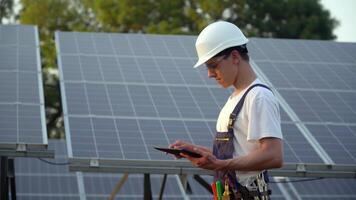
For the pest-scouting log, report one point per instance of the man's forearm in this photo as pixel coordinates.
(266, 157)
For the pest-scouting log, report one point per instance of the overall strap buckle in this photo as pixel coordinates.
(232, 120)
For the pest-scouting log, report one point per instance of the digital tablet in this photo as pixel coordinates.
(178, 151)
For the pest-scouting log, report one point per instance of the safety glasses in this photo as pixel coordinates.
(213, 63)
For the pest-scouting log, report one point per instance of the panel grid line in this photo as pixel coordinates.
(107, 93)
(347, 105)
(306, 104)
(316, 90)
(330, 107)
(212, 132)
(87, 98)
(138, 124)
(126, 56)
(169, 92)
(146, 118)
(305, 132)
(340, 78)
(341, 144)
(181, 75)
(141, 84)
(17, 87)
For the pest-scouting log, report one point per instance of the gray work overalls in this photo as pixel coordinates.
(224, 148)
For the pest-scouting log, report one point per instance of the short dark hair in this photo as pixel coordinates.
(242, 49)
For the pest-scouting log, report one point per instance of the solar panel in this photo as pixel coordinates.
(317, 80)
(36, 179)
(22, 116)
(117, 109)
(39, 180)
(142, 92)
(327, 189)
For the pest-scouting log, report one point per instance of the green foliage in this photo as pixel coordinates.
(265, 18)
(49, 16)
(147, 16)
(290, 19)
(6, 9)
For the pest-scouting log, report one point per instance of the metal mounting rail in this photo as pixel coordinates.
(184, 167)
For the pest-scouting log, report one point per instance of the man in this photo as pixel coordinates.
(249, 138)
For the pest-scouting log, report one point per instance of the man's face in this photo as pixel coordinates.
(221, 68)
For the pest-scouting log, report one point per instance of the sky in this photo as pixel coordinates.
(344, 12)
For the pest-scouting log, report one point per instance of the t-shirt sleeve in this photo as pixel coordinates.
(264, 118)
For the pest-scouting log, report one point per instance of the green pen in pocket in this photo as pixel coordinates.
(219, 190)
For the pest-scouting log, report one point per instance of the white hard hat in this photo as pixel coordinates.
(216, 37)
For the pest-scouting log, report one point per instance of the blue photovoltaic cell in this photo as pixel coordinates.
(338, 141)
(125, 93)
(317, 79)
(21, 93)
(327, 189)
(296, 147)
(140, 91)
(39, 180)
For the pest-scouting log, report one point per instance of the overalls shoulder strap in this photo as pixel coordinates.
(239, 105)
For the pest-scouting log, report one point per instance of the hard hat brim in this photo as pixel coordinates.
(200, 62)
(221, 47)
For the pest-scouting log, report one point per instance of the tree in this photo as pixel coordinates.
(290, 19)
(6, 9)
(147, 16)
(266, 18)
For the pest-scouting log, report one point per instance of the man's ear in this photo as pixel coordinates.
(235, 55)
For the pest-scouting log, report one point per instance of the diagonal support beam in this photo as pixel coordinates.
(164, 180)
(203, 183)
(118, 186)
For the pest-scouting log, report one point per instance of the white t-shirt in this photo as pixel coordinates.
(258, 118)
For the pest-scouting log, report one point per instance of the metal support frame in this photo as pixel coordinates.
(11, 178)
(183, 167)
(184, 180)
(118, 186)
(147, 193)
(203, 183)
(7, 178)
(4, 187)
(27, 153)
(164, 180)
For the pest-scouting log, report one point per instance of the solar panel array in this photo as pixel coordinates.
(22, 119)
(121, 108)
(36, 179)
(125, 93)
(39, 180)
(318, 80)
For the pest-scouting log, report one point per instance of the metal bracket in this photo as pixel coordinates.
(301, 168)
(94, 163)
(21, 147)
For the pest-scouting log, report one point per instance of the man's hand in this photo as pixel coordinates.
(207, 161)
